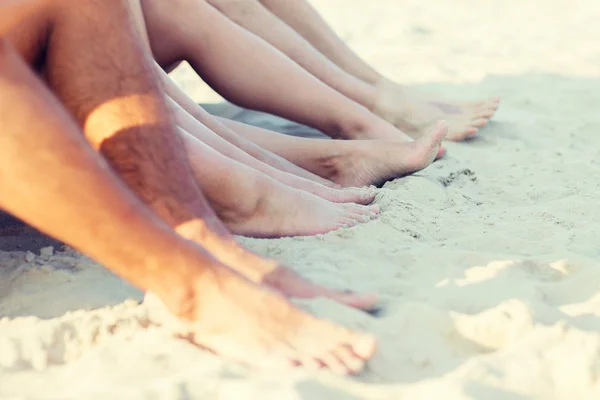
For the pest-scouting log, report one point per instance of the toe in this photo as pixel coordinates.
(366, 301)
(441, 153)
(331, 361)
(439, 131)
(311, 363)
(357, 209)
(484, 113)
(353, 363)
(363, 346)
(479, 122)
(463, 134)
(348, 221)
(366, 196)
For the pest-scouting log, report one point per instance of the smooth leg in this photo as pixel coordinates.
(214, 46)
(408, 110)
(350, 162)
(254, 17)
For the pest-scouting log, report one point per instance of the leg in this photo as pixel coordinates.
(213, 53)
(412, 112)
(305, 20)
(257, 152)
(350, 162)
(253, 204)
(110, 87)
(57, 183)
(254, 17)
(194, 131)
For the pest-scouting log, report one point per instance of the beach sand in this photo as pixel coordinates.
(487, 261)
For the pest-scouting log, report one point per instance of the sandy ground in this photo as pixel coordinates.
(487, 261)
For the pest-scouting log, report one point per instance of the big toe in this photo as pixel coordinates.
(437, 134)
(441, 153)
(343, 352)
(362, 301)
(430, 146)
(363, 195)
(361, 211)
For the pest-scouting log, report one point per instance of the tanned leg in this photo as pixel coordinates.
(52, 179)
(410, 111)
(95, 62)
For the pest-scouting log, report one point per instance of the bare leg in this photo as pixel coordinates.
(350, 162)
(253, 204)
(305, 20)
(110, 87)
(194, 130)
(253, 16)
(57, 183)
(408, 110)
(216, 57)
(257, 152)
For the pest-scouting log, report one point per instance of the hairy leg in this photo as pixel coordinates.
(110, 87)
(54, 180)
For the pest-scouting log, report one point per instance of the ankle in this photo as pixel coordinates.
(172, 278)
(353, 125)
(255, 194)
(336, 162)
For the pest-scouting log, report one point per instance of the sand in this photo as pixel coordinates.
(487, 261)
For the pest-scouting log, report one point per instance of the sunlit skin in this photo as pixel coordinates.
(130, 204)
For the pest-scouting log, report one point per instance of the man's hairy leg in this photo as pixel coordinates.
(56, 182)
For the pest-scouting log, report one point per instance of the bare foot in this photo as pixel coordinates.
(270, 273)
(290, 284)
(271, 209)
(358, 195)
(415, 114)
(242, 321)
(373, 162)
(380, 129)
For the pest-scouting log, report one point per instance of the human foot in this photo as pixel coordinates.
(272, 209)
(377, 128)
(415, 114)
(240, 320)
(292, 285)
(373, 162)
(272, 274)
(358, 195)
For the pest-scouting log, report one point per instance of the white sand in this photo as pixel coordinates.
(488, 260)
